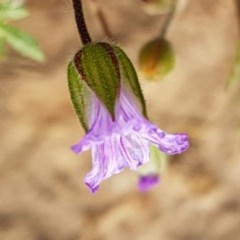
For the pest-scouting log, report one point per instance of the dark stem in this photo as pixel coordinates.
(81, 25)
(167, 22)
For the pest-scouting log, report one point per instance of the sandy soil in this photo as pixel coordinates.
(42, 195)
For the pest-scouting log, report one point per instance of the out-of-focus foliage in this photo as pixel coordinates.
(21, 41)
(1, 47)
(235, 72)
(16, 38)
(156, 59)
(10, 12)
(157, 6)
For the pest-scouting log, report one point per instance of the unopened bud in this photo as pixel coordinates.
(100, 69)
(156, 59)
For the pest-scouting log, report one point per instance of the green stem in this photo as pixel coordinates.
(81, 25)
(168, 20)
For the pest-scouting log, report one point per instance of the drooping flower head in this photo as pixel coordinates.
(107, 97)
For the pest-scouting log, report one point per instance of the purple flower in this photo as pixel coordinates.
(146, 182)
(150, 173)
(123, 142)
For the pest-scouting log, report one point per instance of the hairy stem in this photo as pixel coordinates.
(81, 25)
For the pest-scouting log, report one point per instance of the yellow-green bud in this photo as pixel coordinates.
(156, 59)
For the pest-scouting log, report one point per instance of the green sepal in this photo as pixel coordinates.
(129, 77)
(79, 93)
(10, 12)
(100, 73)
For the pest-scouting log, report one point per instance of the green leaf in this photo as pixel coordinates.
(235, 72)
(79, 93)
(22, 42)
(99, 72)
(130, 77)
(2, 43)
(10, 12)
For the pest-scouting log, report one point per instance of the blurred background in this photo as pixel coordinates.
(42, 194)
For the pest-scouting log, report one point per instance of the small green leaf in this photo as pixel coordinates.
(2, 43)
(99, 72)
(10, 12)
(79, 94)
(130, 77)
(235, 72)
(22, 42)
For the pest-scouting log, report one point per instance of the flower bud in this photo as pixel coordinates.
(156, 59)
(98, 68)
